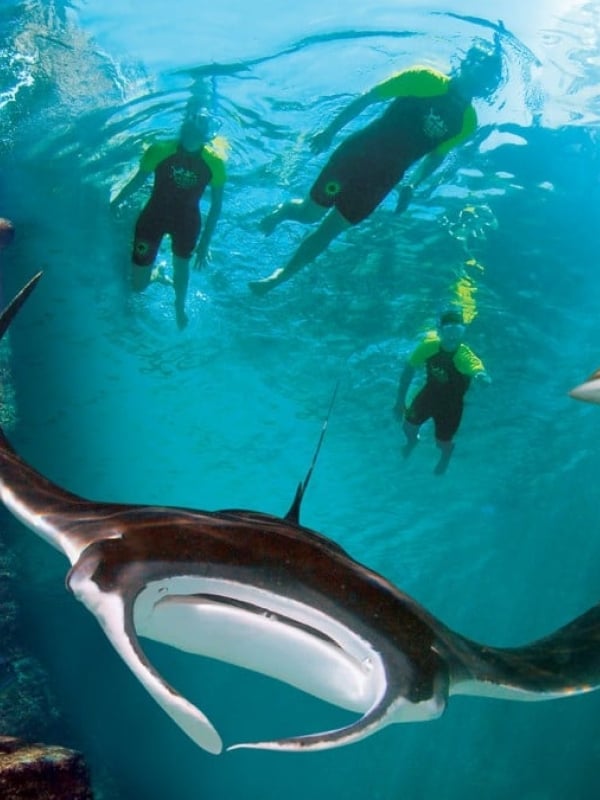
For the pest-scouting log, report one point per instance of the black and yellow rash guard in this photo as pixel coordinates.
(424, 114)
(182, 176)
(449, 372)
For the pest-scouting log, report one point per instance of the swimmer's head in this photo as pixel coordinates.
(480, 71)
(198, 128)
(451, 316)
(451, 328)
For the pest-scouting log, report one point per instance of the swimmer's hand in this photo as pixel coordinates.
(200, 260)
(202, 256)
(399, 411)
(405, 195)
(482, 378)
(321, 141)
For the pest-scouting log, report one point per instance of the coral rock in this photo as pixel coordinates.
(29, 771)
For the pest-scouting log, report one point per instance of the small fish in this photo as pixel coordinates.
(589, 390)
(267, 594)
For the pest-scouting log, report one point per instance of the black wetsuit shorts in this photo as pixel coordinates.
(444, 408)
(370, 162)
(357, 177)
(156, 220)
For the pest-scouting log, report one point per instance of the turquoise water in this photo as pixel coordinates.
(114, 403)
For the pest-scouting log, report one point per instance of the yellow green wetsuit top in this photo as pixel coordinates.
(446, 371)
(184, 170)
(440, 119)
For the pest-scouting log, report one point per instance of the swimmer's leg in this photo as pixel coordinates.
(305, 211)
(446, 449)
(310, 247)
(447, 419)
(181, 277)
(160, 276)
(140, 277)
(412, 437)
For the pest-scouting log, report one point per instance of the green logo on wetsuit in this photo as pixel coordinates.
(439, 374)
(434, 126)
(332, 188)
(183, 178)
(141, 248)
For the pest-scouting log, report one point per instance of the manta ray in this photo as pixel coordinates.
(589, 390)
(267, 594)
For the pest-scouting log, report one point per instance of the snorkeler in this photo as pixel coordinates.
(429, 114)
(182, 168)
(449, 365)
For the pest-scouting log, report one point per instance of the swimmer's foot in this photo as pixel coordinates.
(268, 224)
(444, 460)
(264, 285)
(160, 276)
(181, 317)
(410, 446)
(260, 287)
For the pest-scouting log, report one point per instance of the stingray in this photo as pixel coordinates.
(267, 594)
(589, 390)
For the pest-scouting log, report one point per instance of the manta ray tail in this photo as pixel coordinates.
(564, 663)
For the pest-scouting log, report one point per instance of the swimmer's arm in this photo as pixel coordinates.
(408, 373)
(321, 141)
(138, 180)
(216, 203)
(470, 364)
(427, 167)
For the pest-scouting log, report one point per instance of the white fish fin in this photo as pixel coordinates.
(388, 710)
(588, 391)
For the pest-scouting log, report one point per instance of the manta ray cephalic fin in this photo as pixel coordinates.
(114, 613)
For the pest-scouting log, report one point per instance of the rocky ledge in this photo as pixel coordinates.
(41, 772)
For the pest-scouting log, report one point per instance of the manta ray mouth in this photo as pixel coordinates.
(264, 631)
(261, 611)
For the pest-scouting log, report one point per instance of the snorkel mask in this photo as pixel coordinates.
(481, 68)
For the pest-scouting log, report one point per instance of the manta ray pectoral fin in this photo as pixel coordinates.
(13, 307)
(114, 615)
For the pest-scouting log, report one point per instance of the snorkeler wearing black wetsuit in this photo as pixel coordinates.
(449, 366)
(182, 168)
(429, 114)
(426, 115)
(180, 178)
